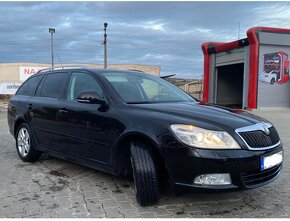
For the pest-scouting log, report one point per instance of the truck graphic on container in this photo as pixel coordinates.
(275, 68)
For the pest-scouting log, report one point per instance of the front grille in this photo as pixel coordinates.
(259, 139)
(258, 178)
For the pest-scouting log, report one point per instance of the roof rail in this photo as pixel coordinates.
(60, 68)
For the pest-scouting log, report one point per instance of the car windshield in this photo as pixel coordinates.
(136, 88)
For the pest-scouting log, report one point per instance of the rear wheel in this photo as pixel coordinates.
(272, 81)
(145, 174)
(24, 144)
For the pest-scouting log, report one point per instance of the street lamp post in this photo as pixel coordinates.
(52, 31)
(105, 44)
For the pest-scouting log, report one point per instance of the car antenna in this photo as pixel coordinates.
(59, 60)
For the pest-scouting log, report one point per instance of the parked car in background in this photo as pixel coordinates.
(270, 77)
(129, 123)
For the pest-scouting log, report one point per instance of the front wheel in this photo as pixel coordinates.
(145, 175)
(24, 144)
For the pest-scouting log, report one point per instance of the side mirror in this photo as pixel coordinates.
(90, 97)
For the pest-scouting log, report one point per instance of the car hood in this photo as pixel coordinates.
(204, 115)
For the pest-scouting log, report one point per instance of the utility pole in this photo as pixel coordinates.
(52, 31)
(105, 44)
(239, 30)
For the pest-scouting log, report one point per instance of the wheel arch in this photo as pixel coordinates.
(121, 153)
(17, 123)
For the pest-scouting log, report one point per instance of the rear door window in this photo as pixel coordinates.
(28, 87)
(52, 85)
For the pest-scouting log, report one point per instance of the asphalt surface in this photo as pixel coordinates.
(55, 188)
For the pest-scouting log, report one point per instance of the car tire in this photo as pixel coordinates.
(272, 81)
(144, 174)
(25, 145)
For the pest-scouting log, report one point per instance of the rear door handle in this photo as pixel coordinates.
(63, 111)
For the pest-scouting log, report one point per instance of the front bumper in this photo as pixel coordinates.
(184, 164)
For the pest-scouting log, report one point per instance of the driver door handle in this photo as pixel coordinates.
(29, 106)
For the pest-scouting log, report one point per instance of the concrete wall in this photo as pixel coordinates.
(193, 88)
(9, 72)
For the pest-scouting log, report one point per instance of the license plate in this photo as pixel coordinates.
(271, 161)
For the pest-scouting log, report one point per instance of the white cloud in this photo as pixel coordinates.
(154, 25)
(277, 15)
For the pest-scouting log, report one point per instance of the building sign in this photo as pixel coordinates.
(273, 84)
(275, 68)
(9, 88)
(26, 72)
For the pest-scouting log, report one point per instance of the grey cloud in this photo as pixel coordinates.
(168, 34)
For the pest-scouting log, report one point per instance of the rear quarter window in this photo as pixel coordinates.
(28, 87)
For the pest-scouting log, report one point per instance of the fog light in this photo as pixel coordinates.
(213, 179)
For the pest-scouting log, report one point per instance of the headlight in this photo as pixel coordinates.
(202, 138)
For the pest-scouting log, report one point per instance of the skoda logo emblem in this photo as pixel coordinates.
(265, 129)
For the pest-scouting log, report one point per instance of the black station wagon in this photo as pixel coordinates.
(129, 123)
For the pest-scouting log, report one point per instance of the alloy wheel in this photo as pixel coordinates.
(23, 142)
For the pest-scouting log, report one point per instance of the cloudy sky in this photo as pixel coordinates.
(168, 34)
